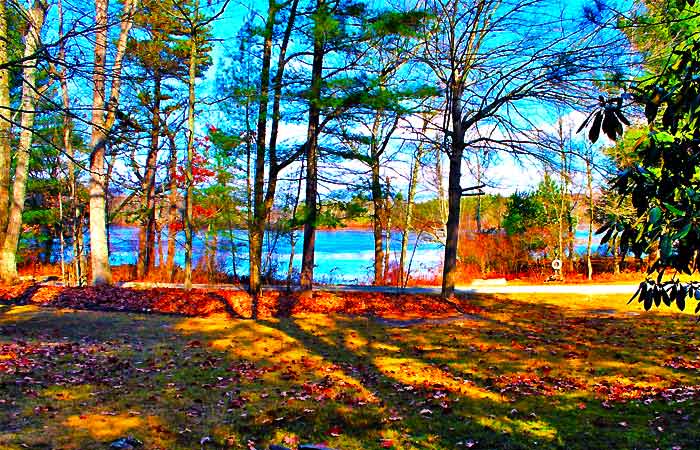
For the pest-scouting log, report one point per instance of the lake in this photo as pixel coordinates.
(342, 256)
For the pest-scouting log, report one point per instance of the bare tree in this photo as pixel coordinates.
(490, 57)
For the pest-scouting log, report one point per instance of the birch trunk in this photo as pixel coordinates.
(8, 254)
(5, 125)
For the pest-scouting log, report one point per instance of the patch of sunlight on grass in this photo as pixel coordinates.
(17, 310)
(535, 428)
(384, 347)
(595, 304)
(414, 372)
(103, 427)
(77, 393)
(355, 342)
(203, 325)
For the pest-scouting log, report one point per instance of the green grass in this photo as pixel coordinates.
(527, 372)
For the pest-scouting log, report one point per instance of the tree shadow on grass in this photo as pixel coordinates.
(157, 377)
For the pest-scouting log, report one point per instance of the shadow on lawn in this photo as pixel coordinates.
(91, 377)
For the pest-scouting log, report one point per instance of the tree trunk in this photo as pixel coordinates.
(310, 223)
(478, 199)
(263, 201)
(454, 191)
(8, 253)
(5, 125)
(101, 125)
(377, 223)
(146, 261)
(173, 213)
(454, 197)
(440, 189)
(293, 237)
(412, 183)
(76, 216)
(257, 228)
(387, 236)
(190, 155)
(589, 185)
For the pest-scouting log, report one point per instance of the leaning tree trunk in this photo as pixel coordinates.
(8, 253)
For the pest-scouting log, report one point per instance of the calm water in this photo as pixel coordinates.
(343, 256)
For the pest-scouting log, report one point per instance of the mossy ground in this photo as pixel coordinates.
(519, 372)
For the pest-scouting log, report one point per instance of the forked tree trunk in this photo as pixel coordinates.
(263, 201)
(8, 254)
(257, 228)
(103, 117)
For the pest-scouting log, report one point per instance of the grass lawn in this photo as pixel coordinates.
(520, 372)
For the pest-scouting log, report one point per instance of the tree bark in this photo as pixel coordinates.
(589, 185)
(173, 213)
(146, 261)
(190, 155)
(310, 223)
(262, 200)
(257, 228)
(293, 236)
(408, 223)
(102, 121)
(377, 223)
(76, 272)
(5, 125)
(8, 254)
(454, 197)
(454, 190)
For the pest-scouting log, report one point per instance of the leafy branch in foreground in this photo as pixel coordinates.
(664, 182)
